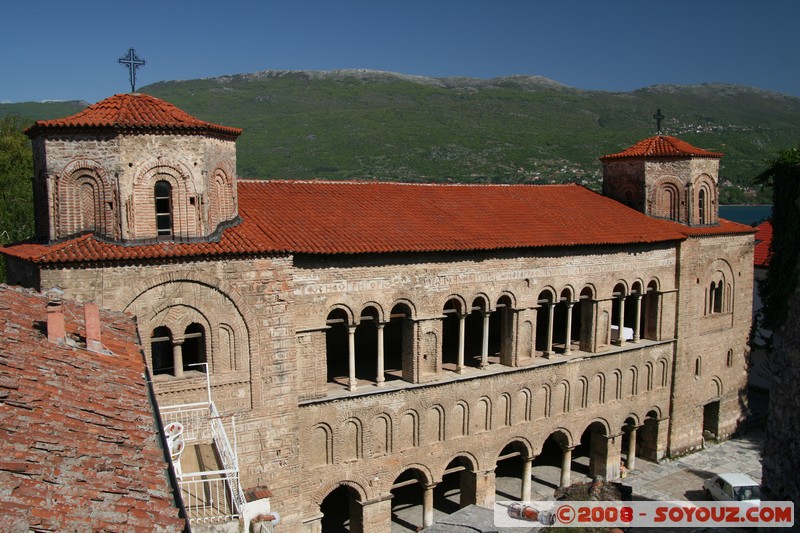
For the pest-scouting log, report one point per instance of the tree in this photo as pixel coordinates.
(783, 174)
(16, 188)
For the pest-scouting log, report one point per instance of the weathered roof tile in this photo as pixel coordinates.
(132, 112)
(77, 440)
(662, 146)
(324, 217)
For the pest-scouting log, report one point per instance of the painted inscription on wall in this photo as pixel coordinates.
(430, 280)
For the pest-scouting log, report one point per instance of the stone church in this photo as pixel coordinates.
(376, 338)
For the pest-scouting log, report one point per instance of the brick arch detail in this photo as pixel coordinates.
(659, 198)
(70, 180)
(186, 217)
(223, 204)
(442, 466)
(250, 334)
(356, 484)
(524, 441)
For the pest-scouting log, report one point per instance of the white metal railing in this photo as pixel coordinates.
(209, 495)
(227, 454)
(194, 418)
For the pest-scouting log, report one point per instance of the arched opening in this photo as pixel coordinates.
(161, 351)
(544, 323)
(194, 348)
(366, 345)
(546, 471)
(717, 296)
(702, 206)
(510, 472)
(562, 314)
(500, 332)
(650, 314)
(618, 320)
(584, 318)
(399, 343)
(408, 509)
(456, 489)
(162, 193)
(451, 333)
(341, 512)
(473, 337)
(591, 456)
(337, 347)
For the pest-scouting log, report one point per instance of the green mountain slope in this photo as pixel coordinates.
(375, 125)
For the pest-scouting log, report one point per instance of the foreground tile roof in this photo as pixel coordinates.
(662, 146)
(132, 112)
(326, 217)
(763, 240)
(78, 445)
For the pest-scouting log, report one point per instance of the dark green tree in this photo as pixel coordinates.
(16, 190)
(783, 174)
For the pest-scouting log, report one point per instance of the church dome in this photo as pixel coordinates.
(132, 112)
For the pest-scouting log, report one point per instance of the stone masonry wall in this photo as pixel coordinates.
(122, 169)
(368, 439)
(704, 373)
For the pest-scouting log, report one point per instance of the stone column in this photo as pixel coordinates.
(478, 488)
(637, 326)
(380, 377)
(376, 515)
(630, 461)
(462, 318)
(550, 317)
(177, 358)
(613, 449)
(351, 357)
(427, 505)
(568, 337)
(566, 466)
(621, 333)
(485, 343)
(525, 491)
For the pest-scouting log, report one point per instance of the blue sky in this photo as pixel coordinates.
(68, 50)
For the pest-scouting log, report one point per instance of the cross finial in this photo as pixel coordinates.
(659, 117)
(132, 63)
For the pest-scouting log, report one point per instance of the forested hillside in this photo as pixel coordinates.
(374, 125)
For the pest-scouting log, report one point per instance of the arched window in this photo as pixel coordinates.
(702, 207)
(161, 350)
(162, 192)
(194, 348)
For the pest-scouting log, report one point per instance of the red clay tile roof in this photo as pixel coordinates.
(129, 112)
(78, 446)
(763, 240)
(662, 146)
(326, 217)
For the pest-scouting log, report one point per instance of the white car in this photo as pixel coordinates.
(732, 487)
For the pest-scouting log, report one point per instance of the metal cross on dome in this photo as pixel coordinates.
(132, 62)
(659, 117)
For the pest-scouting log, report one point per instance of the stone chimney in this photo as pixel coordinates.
(56, 333)
(92, 313)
